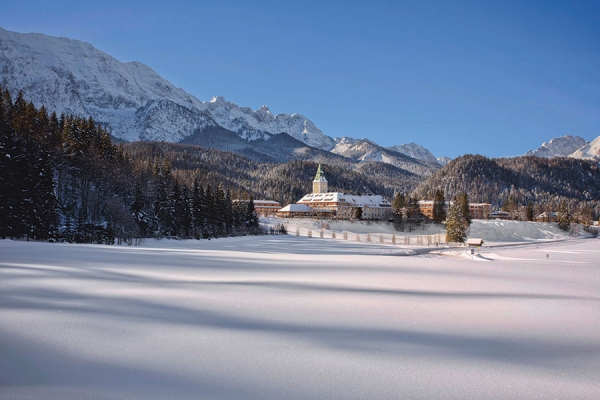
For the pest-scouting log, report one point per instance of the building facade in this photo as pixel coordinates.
(342, 205)
(266, 207)
(476, 210)
(480, 210)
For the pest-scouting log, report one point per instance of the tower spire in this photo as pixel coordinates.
(320, 183)
(318, 176)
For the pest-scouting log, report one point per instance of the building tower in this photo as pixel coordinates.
(320, 183)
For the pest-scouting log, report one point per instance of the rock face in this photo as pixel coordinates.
(131, 99)
(558, 147)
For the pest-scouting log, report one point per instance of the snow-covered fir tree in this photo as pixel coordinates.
(463, 202)
(455, 225)
(563, 217)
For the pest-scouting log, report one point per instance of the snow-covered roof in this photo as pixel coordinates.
(431, 202)
(371, 200)
(265, 202)
(474, 242)
(296, 208)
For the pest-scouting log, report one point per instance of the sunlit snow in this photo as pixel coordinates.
(292, 317)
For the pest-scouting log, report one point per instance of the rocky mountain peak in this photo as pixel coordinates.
(558, 147)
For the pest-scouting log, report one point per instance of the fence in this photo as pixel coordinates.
(376, 238)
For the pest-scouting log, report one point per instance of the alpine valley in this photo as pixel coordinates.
(151, 117)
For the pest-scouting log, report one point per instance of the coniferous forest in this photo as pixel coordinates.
(63, 179)
(518, 183)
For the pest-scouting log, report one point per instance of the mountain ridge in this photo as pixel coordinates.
(134, 102)
(130, 99)
(562, 146)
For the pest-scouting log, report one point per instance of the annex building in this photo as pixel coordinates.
(342, 205)
(476, 210)
(266, 207)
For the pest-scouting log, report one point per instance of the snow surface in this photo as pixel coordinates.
(493, 232)
(298, 318)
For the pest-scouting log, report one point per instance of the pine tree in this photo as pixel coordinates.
(228, 212)
(455, 226)
(563, 218)
(6, 144)
(138, 209)
(209, 213)
(399, 204)
(251, 217)
(162, 215)
(198, 209)
(183, 214)
(529, 212)
(463, 202)
(439, 206)
(220, 211)
(45, 204)
(413, 211)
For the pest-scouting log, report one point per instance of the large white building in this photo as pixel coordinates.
(344, 205)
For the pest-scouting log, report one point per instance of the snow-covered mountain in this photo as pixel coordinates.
(415, 151)
(252, 124)
(559, 147)
(364, 150)
(135, 103)
(443, 160)
(131, 99)
(589, 151)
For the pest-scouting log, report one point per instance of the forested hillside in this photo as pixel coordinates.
(517, 181)
(62, 178)
(285, 182)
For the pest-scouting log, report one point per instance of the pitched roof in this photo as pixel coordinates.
(371, 200)
(296, 208)
(320, 176)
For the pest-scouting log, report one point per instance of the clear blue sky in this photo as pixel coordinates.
(490, 77)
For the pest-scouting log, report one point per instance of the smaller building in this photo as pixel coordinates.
(499, 215)
(479, 210)
(426, 207)
(475, 242)
(266, 207)
(547, 217)
(476, 210)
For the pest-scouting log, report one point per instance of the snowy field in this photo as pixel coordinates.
(493, 232)
(286, 317)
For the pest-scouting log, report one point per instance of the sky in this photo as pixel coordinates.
(496, 78)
